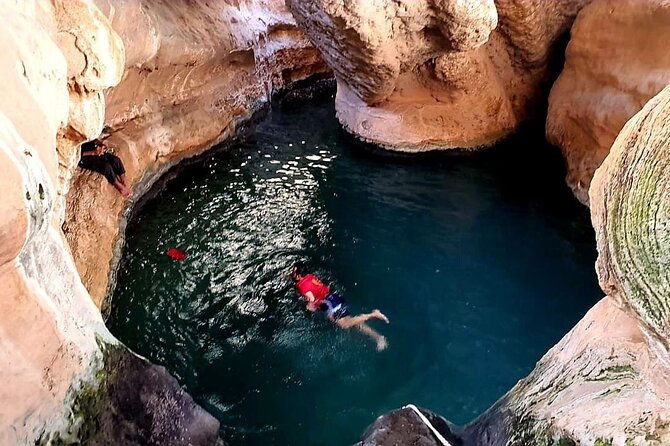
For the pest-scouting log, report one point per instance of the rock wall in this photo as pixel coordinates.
(615, 62)
(48, 325)
(168, 79)
(434, 74)
(630, 205)
(199, 69)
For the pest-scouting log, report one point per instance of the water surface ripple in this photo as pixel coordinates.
(482, 263)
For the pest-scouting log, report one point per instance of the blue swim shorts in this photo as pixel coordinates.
(335, 307)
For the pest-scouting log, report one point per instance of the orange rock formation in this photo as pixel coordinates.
(615, 62)
(429, 74)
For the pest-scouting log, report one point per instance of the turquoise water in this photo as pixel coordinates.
(481, 262)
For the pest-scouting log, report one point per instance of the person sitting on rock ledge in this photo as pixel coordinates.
(319, 297)
(95, 157)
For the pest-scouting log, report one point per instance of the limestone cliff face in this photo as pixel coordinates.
(615, 62)
(433, 74)
(168, 79)
(193, 71)
(48, 324)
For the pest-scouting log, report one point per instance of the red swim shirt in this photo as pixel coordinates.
(311, 283)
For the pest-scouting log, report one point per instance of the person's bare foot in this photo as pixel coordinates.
(382, 344)
(127, 193)
(379, 315)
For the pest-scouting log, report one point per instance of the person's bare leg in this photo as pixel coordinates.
(359, 322)
(379, 315)
(350, 321)
(122, 189)
(379, 339)
(122, 179)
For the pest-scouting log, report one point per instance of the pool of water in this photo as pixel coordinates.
(481, 262)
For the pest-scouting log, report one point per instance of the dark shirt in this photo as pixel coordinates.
(106, 164)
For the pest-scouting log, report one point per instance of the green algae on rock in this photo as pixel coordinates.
(130, 401)
(631, 212)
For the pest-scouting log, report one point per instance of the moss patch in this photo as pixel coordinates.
(614, 373)
(529, 431)
(88, 401)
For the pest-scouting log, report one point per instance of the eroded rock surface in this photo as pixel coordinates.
(429, 74)
(193, 71)
(630, 205)
(616, 61)
(187, 72)
(48, 325)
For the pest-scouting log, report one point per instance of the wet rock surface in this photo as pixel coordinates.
(404, 427)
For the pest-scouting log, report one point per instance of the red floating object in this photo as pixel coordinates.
(176, 254)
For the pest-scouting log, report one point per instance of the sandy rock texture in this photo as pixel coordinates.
(437, 74)
(194, 70)
(616, 61)
(168, 79)
(48, 326)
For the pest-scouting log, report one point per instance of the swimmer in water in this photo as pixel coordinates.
(319, 297)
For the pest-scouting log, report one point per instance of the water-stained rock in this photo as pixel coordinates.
(630, 205)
